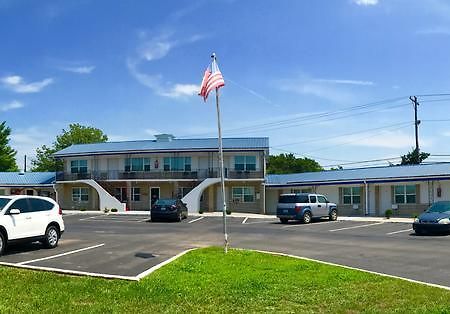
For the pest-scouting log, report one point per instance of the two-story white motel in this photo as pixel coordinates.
(131, 175)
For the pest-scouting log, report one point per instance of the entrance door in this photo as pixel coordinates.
(154, 195)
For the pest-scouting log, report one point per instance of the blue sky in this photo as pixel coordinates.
(133, 70)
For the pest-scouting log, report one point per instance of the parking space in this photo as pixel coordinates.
(126, 246)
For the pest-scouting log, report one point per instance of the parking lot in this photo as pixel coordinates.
(129, 247)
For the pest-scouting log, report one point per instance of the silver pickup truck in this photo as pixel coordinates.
(304, 207)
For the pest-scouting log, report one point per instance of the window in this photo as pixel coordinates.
(312, 198)
(2, 192)
(136, 194)
(177, 163)
(121, 194)
(244, 194)
(321, 199)
(38, 205)
(405, 194)
(245, 163)
(78, 166)
(137, 164)
(80, 194)
(352, 195)
(286, 199)
(22, 205)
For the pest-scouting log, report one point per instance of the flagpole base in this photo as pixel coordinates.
(226, 244)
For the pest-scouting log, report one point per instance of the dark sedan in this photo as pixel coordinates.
(169, 209)
(435, 219)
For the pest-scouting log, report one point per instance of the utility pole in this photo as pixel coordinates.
(416, 121)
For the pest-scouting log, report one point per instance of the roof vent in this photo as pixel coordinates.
(164, 137)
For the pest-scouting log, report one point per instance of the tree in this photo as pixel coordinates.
(287, 163)
(414, 157)
(7, 154)
(77, 134)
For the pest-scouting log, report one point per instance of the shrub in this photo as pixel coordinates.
(388, 213)
(106, 210)
(82, 209)
(114, 210)
(228, 211)
(200, 211)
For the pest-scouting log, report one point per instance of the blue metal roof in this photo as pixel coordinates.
(392, 173)
(27, 178)
(248, 143)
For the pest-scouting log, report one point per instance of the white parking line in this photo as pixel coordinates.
(200, 218)
(88, 218)
(62, 254)
(354, 227)
(158, 266)
(306, 225)
(245, 220)
(400, 231)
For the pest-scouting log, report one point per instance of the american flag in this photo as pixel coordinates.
(211, 79)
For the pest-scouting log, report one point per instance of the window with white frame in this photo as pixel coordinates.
(80, 194)
(244, 163)
(351, 195)
(137, 164)
(78, 166)
(177, 164)
(2, 191)
(136, 194)
(405, 194)
(244, 194)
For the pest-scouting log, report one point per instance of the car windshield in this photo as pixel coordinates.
(293, 199)
(165, 202)
(439, 207)
(3, 202)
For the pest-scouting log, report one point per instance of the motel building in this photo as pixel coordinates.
(132, 175)
(407, 190)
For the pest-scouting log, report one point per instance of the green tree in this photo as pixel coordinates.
(288, 163)
(7, 154)
(77, 134)
(414, 157)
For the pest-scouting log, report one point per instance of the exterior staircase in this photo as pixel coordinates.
(106, 200)
(192, 199)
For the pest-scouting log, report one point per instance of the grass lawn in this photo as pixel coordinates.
(207, 281)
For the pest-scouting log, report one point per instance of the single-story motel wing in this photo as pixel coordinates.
(133, 175)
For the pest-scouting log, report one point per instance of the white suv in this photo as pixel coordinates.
(30, 218)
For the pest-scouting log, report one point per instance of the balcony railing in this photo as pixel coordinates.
(157, 175)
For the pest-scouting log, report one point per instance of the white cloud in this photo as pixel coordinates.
(155, 82)
(345, 82)
(447, 133)
(155, 48)
(80, 69)
(10, 106)
(437, 30)
(17, 84)
(365, 2)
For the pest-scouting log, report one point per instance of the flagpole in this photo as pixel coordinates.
(222, 173)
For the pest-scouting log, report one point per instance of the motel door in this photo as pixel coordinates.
(154, 195)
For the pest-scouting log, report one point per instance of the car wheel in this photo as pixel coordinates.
(2, 243)
(284, 220)
(333, 215)
(306, 219)
(51, 237)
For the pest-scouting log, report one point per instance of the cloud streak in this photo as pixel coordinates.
(80, 69)
(17, 84)
(11, 106)
(154, 49)
(365, 2)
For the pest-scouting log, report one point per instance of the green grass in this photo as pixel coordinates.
(208, 281)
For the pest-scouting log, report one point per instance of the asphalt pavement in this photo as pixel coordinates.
(130, 245)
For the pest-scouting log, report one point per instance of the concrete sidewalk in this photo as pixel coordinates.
(241, 215)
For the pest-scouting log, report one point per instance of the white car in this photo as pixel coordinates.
(29, 218)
